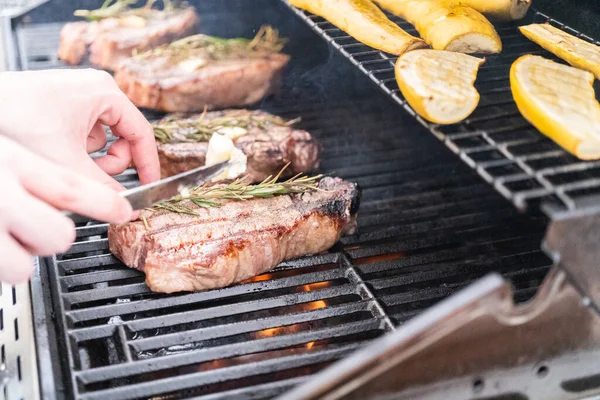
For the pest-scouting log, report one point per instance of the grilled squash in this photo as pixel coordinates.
(499, 10)
(559, 101)
(438, 84)
(573, 50)
(447, 26)
(364, 21)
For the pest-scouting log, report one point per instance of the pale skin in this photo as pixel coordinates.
(49, 123)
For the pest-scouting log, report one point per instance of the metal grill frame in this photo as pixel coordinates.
(378, 66)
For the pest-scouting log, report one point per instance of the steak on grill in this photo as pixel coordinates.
(268, 141)
(111, 40)
(203, 72)
(237, 240)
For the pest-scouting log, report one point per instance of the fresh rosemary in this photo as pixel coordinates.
(174, 129)
(203, 46)
(118, 8)
(208, 195)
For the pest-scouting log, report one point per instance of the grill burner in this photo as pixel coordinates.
(496, 141)
(428, 227)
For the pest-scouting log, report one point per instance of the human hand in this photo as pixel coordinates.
(33, 189)
(60, 114)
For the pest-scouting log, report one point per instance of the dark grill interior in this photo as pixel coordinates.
(496, 141)
(428, 226)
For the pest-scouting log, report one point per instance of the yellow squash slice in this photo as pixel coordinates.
(499, 10)
(364, 21)
(438, 84)
(447, 26)
(559, 101)
(573, 50)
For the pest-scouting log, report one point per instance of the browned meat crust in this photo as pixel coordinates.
(219, 84)
(109, 43)
(236, 241)
(268, 149)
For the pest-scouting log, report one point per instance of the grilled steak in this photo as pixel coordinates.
(204, 72)
(268, 141)
(236, 241)
(111, 40)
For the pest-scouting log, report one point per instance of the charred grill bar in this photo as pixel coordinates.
(428, 226)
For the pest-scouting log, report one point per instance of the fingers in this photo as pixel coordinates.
(16, 264)
(38, 227)
(96, 140)
(117, 158)
(88, 167)
(68, 190)
(126, 121)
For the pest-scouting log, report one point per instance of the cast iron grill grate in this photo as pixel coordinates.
(428, 226)
(496, 141)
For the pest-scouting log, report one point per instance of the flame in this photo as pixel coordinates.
(310, 345)
(380, 258)
(263, 277)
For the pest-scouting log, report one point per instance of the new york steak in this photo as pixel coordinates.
(236, 241)
(268, 141)
(111, 40)
(204, 72)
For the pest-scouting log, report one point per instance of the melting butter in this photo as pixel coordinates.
(221, 148)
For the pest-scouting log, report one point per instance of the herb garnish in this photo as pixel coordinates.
(117, 8)
(210, 195)
(203, 46)
(201, 129)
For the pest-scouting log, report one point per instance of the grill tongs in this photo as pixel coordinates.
(477, 344)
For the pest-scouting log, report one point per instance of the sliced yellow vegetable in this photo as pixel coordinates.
(447, 26)
(364, 21)
(573, 50)
(559, 101)
(438, 84)
(499, 10)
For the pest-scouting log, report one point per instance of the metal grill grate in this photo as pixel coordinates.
(427, 227)
(496, 141)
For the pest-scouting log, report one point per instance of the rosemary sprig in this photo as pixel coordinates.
(201, 129)
(266, 40)
(117, 8)
(207, 195)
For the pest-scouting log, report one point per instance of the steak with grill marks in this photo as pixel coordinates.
(111, 40)
(237, 240)
(204, 72)
(269, 147)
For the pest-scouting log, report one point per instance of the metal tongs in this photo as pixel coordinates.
(477, 344)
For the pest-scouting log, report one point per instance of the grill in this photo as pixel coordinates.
(496, 141)
(428, 226)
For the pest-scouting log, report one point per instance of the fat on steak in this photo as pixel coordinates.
(268, 142)
(236, 241)
(111, 40)
(175, 78)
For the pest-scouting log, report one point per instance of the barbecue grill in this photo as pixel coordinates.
(429, 226)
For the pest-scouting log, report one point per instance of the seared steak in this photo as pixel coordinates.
(111, 40)
(268, 141)
(236, 241)
(204, 72)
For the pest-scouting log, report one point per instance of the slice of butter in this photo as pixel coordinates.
(221, 148)
(133, 21)
(191, 64)
(232, 132)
